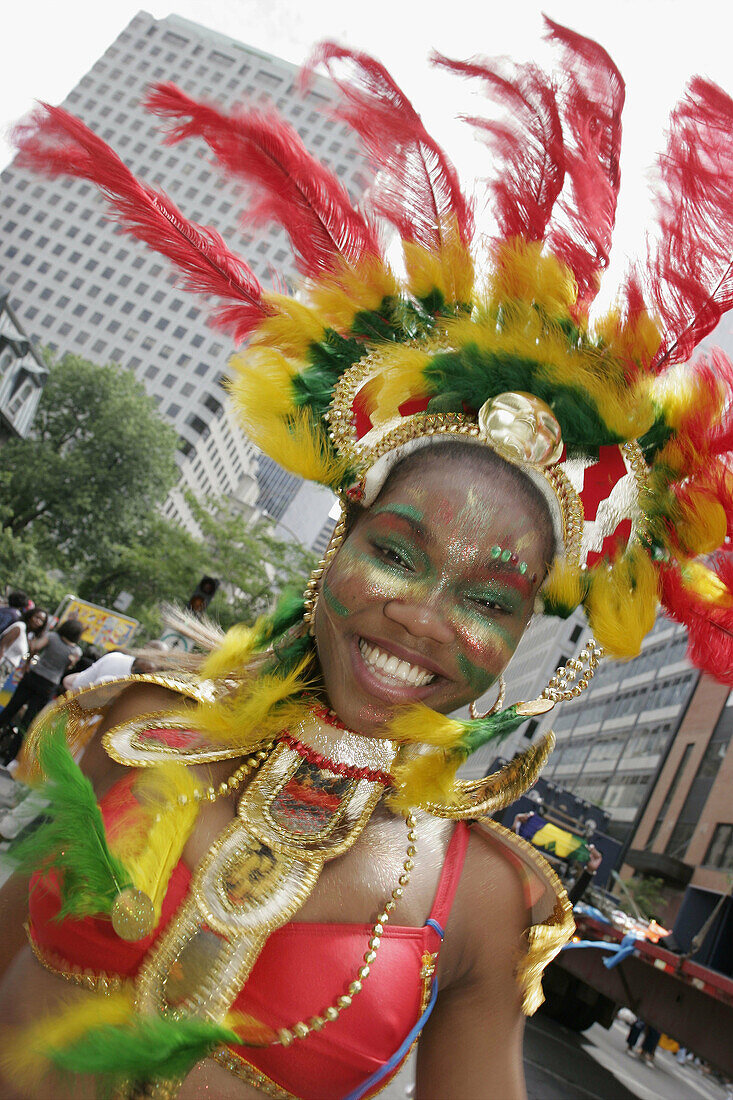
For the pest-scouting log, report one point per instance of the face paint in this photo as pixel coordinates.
(337, 607)
(416, 608)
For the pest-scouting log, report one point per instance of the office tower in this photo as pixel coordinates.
(80, 286)
(22, 374)
(611, 739)
(685, 834)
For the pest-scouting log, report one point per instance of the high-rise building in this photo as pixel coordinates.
(22, 374)
(80, 286)
(611, 739)
(686, 831)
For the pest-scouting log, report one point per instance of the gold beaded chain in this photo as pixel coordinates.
(562, 685)
(287, 1035)
(232, 784)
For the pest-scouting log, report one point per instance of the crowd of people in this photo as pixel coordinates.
(46, 662)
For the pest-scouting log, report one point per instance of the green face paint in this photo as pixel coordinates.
(405, 511)
(336, 606)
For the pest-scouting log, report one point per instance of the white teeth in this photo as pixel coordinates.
(391, 667)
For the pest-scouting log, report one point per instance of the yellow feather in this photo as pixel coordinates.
(565, 586)
(352, 290)
(430, 777)
(231, 654)
(419, 725)
(400, 378)
(449, 271)
(24, 1049)
(303, 448)
(683, 395)
(702, 524)
(292, 328)
(521, 272)
(150, 848)
(629, 338)
(261, 386)
(706, 584)
(622, 603)
(247, 717)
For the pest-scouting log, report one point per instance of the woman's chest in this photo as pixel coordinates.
(388, 860)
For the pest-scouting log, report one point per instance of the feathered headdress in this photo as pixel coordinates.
(631, 449)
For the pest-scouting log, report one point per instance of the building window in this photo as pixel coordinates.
(701, 786)
(720, 852)
(169, 381)
(173, 409)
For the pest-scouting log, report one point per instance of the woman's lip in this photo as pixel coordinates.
(408, 655)
(373, 685)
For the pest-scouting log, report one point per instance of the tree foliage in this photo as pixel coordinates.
(252, 563)
(79, 510)
(97, 463)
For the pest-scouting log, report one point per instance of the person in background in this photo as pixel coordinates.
(56, 651)
(17, 603)
(587, 873)
(115, 666)
(17, 640)
(91, 654)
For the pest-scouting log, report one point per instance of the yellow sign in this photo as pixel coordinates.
(102, 627)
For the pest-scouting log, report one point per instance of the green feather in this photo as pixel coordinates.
(492, 728)
(148, 1047)
(476, 375)
(288, 611)
(71, 838)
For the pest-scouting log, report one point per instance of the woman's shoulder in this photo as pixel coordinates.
(511, 904)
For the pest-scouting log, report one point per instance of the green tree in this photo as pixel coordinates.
(160, 563)
(97, 463)
(252, 563)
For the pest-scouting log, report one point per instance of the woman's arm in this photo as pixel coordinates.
(471, 1048)
(8, 638)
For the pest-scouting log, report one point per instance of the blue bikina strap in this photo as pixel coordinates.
(401, 1052)
(434, 925)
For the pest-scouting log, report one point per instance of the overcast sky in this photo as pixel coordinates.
(48, 46)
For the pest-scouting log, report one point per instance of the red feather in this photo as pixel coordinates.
(691, 268)
(295, 190)
(592, 100)
(417, 188)
(56, 143)
(709, 628)
(530, 143)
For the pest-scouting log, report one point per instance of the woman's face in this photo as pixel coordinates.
(37, 621)
(430, 593)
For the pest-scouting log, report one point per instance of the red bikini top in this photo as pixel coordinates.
(303, 968)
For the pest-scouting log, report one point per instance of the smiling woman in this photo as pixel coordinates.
(433, 586)
(275, 881)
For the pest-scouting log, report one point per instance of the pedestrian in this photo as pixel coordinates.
(90, 656)
(18, 638)
(649, 1044)
(634, 1035)
(587, 873)
(55, 652)
(115, 666)
(17, 603)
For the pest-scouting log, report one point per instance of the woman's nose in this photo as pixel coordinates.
(420, 620)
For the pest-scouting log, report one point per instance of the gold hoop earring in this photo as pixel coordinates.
(312, 591)
(492, 710)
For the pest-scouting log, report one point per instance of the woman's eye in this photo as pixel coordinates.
(388, 553)
(491, 604)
